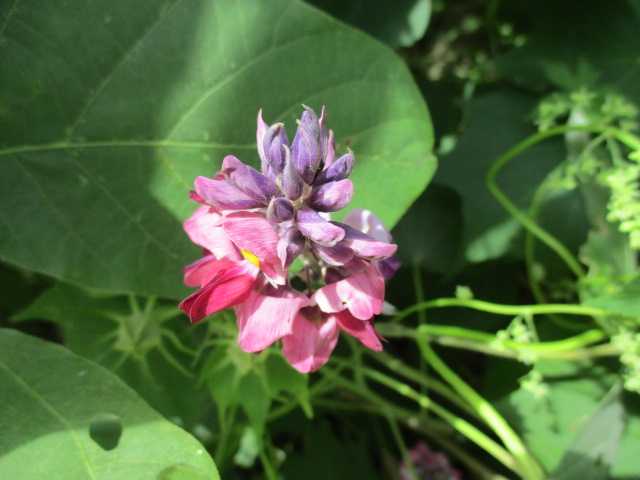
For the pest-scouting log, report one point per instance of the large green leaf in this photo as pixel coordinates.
(66, 418)
(108, 112)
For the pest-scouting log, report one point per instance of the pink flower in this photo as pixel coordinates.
(242, 249)
(315, 335)
(253, 224)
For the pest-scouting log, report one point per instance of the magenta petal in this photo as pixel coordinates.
(366, 246)
(264, 319)
(254, 233)
(361, 293)
(332, 196)
(321, 231)
(220, 193)
(202, 271)
(249, 180)
(228, 287)
(363, 330)
(204, 229)
(311, 343)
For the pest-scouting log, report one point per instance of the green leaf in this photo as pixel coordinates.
(430, 233)
(109, 112)
(600, 46)
(496, 122)
(102, 328)
(623, 300)
(561, 421)
(400, 23)
(62, 416)
(593, 452)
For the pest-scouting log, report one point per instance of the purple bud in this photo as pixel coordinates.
(280, 210)
(269, 140)
(338, 170)
(306, 150)
(290, 183)
(313, 226)
(332, 196)
(274, 140)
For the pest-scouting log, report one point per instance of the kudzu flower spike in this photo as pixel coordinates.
(253, 224)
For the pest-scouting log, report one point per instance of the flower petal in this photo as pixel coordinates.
(366, 222)
(254, 233)
(204, 229)
(338, 170)
(321, 231)
(220, 193)
(264, 319)
(311, 343)
(366, 246)
(361, 293)
(338, 255)
(363, 330)
(332, 196)
(202, 271)
(249, 180)
(280, 210)
(290, 245)
(306, 150)
(227, 288)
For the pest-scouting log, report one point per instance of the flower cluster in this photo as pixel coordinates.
(252, 226)
(428, 465)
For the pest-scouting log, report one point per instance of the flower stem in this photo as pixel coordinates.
(527, 465)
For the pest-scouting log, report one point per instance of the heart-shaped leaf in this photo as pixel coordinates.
(64, 417)
(109, 111)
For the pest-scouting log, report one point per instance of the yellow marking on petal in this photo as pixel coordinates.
(250, 257)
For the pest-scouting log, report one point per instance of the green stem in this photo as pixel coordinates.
(436, 431)
(404, 452)
(500, 309)
(528, 466)
(458, 423)
(552, 242)
(268, 468)
(567, 348)
(397, 366)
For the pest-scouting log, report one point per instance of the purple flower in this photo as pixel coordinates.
(254, 224)
(428, 465)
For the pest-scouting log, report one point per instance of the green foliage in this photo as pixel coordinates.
(497, 120)
(67, 418)
(145, 346)
(103, 137)
(400, 23)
